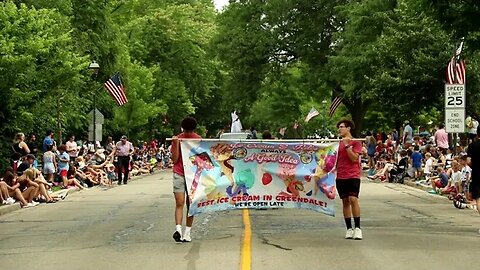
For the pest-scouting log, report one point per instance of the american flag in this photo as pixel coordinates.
(456, 67)
(313, 112)
(114, 86)
(333, 107)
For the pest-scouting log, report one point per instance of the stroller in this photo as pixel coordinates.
(398, 172)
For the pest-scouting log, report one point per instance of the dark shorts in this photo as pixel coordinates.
(348, 187)
(475, 190)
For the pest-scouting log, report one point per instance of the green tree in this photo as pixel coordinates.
(39, 68)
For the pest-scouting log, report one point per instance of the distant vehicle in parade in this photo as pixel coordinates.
(235, 136)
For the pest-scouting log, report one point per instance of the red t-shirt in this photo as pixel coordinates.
(178, 166)
(346, 168)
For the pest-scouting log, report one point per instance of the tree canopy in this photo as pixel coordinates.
(272, 61)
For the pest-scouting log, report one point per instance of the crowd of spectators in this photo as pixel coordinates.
(37, 170)
(433, 161)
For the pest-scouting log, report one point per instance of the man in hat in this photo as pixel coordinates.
(407, 135)
(123, 151)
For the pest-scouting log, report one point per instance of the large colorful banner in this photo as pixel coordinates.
(223, 175)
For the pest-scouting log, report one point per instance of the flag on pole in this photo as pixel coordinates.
(313, 112)
(333, 107)
(456, 67)
(115, 88)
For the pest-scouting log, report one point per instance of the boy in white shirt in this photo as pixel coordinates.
(428, 165)
(466, 171)
(455, 175)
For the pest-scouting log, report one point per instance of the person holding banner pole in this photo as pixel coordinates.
(473, 154)
(179, 183)
(348, 178)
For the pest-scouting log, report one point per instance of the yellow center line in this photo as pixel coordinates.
(246, 255)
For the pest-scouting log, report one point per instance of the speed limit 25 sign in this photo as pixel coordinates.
(455, 108)
(454, 96)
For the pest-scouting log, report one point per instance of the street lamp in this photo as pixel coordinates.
(324, 102)
(94, 67)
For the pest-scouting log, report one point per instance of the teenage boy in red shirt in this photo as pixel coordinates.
(348, 178)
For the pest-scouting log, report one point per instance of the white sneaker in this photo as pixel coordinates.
(35, 203)
(349, 234)
(28, 205)
(186, 238)
(357, 234)
(10, 200)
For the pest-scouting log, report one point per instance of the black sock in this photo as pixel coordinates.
(348, 222)
(357, 222)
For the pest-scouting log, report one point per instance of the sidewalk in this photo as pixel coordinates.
(5, 209)
(411, 183)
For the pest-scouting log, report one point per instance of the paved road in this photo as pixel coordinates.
(130, 227)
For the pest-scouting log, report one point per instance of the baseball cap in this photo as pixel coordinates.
(406, 122)
(30, 156)
(124, 137)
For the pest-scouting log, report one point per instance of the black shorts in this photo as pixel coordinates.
(474, 188)
(348, 187)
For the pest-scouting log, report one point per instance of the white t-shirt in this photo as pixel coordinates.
(473, 130)
(465, 173)
(72, 148)
(428, 165)
(456, 177)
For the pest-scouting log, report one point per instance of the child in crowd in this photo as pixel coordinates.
(417, 162)
(428, 169)
(111, 176)
(455, 179)
(440, 181)
(465, 174)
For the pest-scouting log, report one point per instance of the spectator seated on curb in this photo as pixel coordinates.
(399, 170)
(26, 164)
(429, 165)
(43, 186)
(465, 174)
(454, 181)
(84, 178)
(71, 181)
(383, 174)
(28, 187)
(97, 171)
(14, 189)
(5, 198)
(137, 170)
(439, 181)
